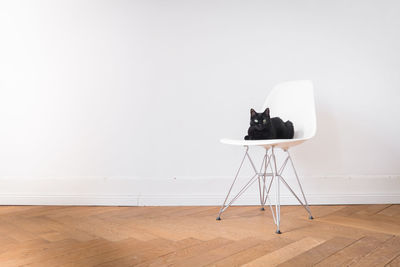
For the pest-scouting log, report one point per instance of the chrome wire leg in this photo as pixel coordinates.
(234, 180)
(276, 178)
(301, 188)
(257, 176)
(264, 179)
(261, 175)
(270, 174)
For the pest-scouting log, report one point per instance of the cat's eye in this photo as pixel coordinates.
(264, 121)
(256, 121)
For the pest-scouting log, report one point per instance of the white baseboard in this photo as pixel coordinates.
(190, 191)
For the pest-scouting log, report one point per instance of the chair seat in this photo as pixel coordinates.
(281, 143)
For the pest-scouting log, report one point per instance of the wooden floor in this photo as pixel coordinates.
(356, 235)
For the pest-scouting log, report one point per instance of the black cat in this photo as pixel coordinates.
(262, 126)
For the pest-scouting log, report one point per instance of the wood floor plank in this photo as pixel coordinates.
(373, 209)
(54, 236)
(325, 231)
(172, 229)
(185, 253)
(190, 211)
(63, 227)
(394, 263)
(219, 253)
(32, 225)
(187, 242)
(14, 246)
(211, 212)
(27, 256)
(353, 253)
(318, 253)
(11, 211)
(98, 230)
(84, 249)
(118, 212)
(364, 223)
(318, 211)
(44, 210)
(119, 231)
(392, 210)
(382, 255)
(356, 235)
(128, 255)
(378, 218)
(283, 254)
(252, 253)
(55, 255)
(349, 210)
(27, 251)
(147, 212)
(98, 254)
(237, 211)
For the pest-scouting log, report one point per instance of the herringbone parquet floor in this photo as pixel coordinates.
(355, 235)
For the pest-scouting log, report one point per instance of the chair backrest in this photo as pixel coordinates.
(294, 101)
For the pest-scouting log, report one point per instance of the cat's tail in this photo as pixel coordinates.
(289, 126)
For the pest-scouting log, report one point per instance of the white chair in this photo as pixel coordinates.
(292, 101)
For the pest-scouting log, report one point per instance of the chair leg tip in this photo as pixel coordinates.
(218, 218)
(311, 218)
(262, 208)
(278, 232)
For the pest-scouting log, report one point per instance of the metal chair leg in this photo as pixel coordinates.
(262, 175)
(276, 177)
(277, 194)
(301, 188)
(256, 176)
(230, 189)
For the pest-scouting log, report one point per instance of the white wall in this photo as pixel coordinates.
(135, 95)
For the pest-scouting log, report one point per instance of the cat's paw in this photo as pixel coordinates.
(246, 137)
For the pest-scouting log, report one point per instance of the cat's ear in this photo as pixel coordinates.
(252, 112)
(266, 111)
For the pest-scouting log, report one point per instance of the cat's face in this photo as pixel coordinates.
(259, 120)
